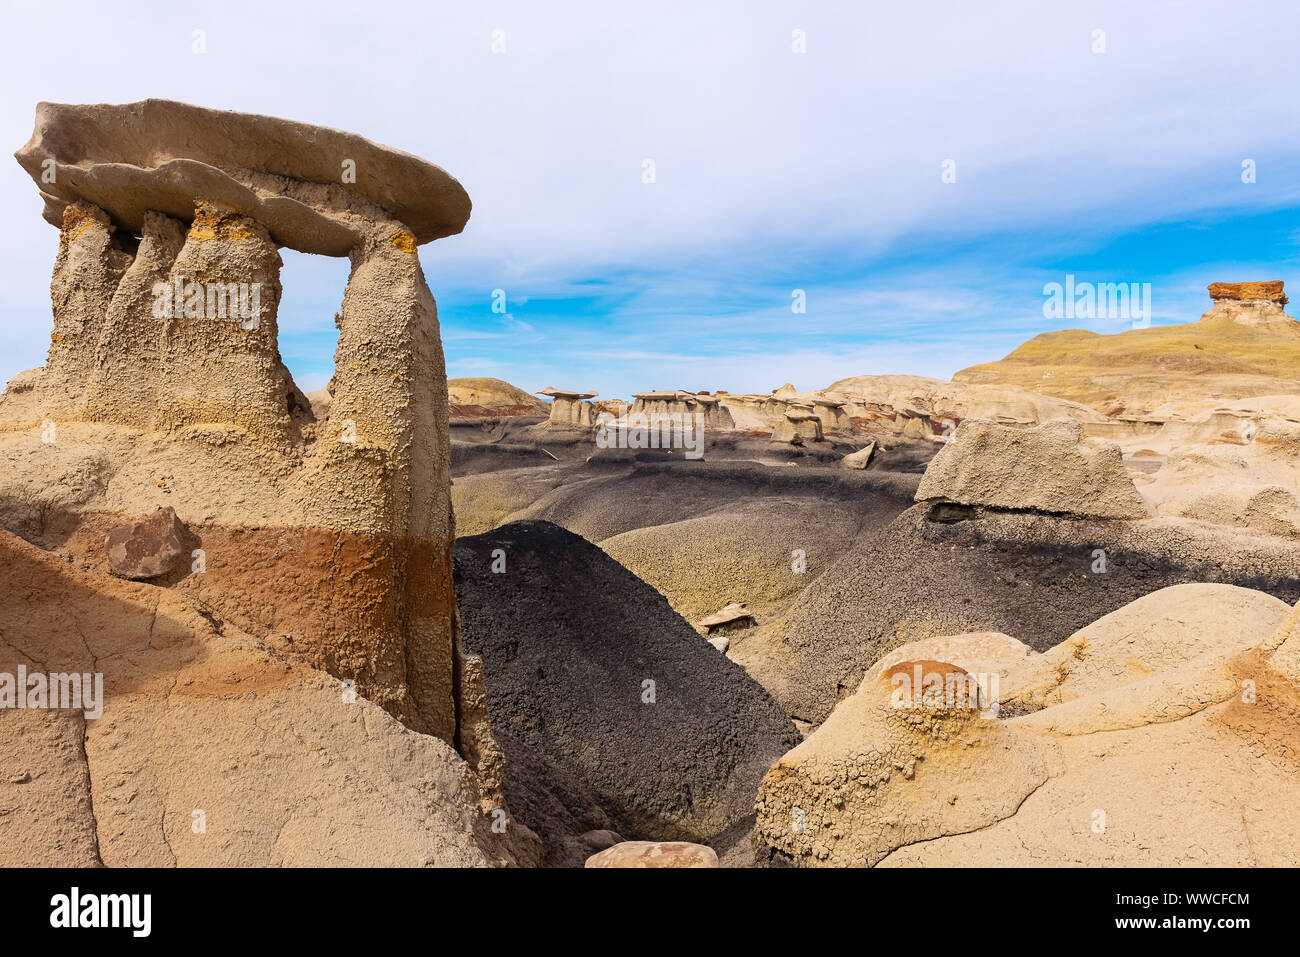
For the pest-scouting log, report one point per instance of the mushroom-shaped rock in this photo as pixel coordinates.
(312, 187)
(569, 410)
(797, 427)
(673, 406)
(164, 361)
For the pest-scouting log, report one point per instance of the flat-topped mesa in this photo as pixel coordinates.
(165, 293)
(569, 410)
(1248, 303)
(1271, 290)
(681, 403)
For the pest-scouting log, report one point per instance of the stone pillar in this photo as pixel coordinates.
(87, 270)
(123, 387)
(220, 360)
(381, 467)
(569, 413)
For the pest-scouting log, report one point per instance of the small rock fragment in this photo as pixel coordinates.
(148, 548)
(655, 854)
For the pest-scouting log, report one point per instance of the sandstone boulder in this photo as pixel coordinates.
(734, 613)
(859, 459)
(1045, 469)
(655, 854)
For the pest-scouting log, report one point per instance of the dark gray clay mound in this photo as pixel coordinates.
(569, 639)
(657, 493)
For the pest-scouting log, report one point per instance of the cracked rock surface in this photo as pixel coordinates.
(1164, 734)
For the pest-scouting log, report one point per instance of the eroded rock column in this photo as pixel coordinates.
(89, 266)
(382, 466)
(123, 386)
(219, 358)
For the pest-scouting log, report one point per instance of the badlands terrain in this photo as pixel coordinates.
(406, 621)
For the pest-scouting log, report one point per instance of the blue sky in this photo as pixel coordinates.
(775, 170)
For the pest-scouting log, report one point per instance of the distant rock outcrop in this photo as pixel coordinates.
(1248, 303)
(909, 407)
(716, 417)
(1244, 346)
(1230, 463)
(797, 427)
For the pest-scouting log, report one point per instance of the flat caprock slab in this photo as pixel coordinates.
(291, 177)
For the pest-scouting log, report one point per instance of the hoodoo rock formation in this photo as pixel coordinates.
(569, 410)
(327, 539)
(679, 403)
(797, 427)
